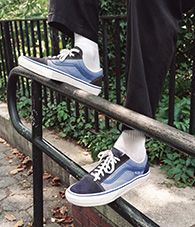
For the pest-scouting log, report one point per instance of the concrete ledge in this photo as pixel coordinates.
(8, 133)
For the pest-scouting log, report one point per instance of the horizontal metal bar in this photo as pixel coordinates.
(104, 17)
(28, 19)
(37, 155)
(127, 211)
(179, 140)
(111, 17)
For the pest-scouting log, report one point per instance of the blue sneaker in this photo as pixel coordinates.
(115, 175)
(67, 67)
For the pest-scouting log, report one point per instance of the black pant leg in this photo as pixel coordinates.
(75, 16)
(151, 42)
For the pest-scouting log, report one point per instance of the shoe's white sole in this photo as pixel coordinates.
(105, 197)
(55, 74)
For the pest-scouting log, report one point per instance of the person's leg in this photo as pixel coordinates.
(75, 16)
(151, 43)
(78, 19)
(152, 29)
(90, 50)
(79, 66)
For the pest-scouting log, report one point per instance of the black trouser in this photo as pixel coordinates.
(151, 41)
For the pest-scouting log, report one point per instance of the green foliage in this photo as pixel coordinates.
(156, 151)
(179, 167)
(109, 7)
(24, 107)
(184, 57)
(11, 9)
(181, 114)
(2, 90)
(49, 115)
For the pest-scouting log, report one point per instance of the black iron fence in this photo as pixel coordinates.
(33, 37)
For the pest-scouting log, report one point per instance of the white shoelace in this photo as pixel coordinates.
(106, 166)
(64, 53)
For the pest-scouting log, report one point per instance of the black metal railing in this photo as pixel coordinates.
(35, 38)
(177, 139)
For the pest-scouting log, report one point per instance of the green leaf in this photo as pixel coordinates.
(190, 172)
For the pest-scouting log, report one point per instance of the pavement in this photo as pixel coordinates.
(16, 199)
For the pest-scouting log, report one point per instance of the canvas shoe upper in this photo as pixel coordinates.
(67, 67)
(115, 175)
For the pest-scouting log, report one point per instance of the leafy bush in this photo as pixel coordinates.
(24, 107)
(177, 166)
(109, 7)
(184, 58)
(11, 9)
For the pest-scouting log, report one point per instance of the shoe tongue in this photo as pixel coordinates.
(77, 55)
(117, 153)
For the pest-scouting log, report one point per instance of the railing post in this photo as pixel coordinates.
(55, 41)
(172, 75)
(7, 46)
(192, 111)
(105, 65)
(118, 61)
(37, 154)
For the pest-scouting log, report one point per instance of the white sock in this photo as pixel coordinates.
(90, 52)
(132, 143)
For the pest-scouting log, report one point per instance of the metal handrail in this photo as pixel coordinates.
(175, 138)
